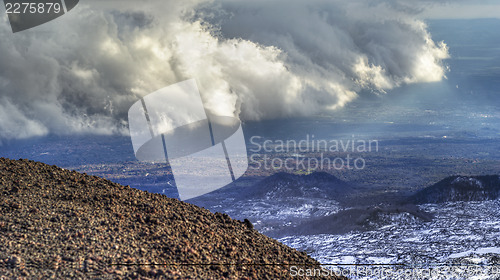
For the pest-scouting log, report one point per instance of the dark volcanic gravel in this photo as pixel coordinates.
(62, 224)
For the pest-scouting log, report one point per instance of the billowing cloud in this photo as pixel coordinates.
(252, 59)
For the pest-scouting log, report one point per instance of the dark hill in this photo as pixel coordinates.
(285, 185)
(356, 219)
(460, 188)
(62, 224)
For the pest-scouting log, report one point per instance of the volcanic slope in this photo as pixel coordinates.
(63, 224)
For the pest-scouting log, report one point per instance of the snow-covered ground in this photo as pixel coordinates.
(463, 235)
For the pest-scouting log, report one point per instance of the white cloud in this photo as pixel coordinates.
(81, 72)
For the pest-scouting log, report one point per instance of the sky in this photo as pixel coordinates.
(463, 10)
(251, 59)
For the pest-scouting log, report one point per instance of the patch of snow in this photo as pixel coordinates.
(480, 251)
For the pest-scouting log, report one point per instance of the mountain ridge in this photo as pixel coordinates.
(459, 188)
